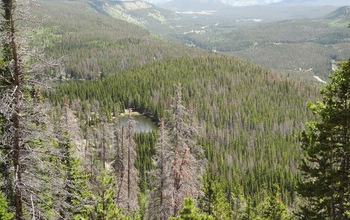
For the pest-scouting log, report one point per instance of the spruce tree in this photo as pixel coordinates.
(127, 174)
(106, 208)
(160, 195)
(78, 195)
(215, 201)
(190, 212)
(186, 164)
(4, 212)
(273, 208)
(326, 166)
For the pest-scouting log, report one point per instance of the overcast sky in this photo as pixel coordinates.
(250, 2)
(233, 2)
(264, 2)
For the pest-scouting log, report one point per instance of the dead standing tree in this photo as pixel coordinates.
(186, 164)
(124, 164)
(25, 132)
(161, 193)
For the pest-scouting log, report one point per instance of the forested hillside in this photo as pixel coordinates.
(92, 44)
(229, 143)
(301, 47)
(248, 116)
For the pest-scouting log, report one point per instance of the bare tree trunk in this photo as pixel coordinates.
(16, 84)
(130, 164)
(119, 161)
(125, 168)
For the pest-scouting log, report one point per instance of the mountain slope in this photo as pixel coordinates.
(302, 47)
(137, 12)
(92, 44)
(342, 13)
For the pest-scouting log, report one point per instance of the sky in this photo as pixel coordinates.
(233, 2)
(265, 2)
(249, 2)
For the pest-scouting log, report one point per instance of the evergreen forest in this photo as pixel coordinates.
(233, 140)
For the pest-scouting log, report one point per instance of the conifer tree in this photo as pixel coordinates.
(214, 201)
(160, 196)
(10, 82)
(106, 208)
(273, 208)
(79, 200)
(127, 173)
(326, 166)
(76, 196)
(119, 152)
(190, 212)
(4, 212)
(26, 136)
(186, 164)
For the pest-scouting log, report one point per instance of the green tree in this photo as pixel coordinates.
(273, 208)
(4, 213)
(78, 192)
(326, 166)
(215, 201)
(77, 195)
(190, 212)
(106, 208)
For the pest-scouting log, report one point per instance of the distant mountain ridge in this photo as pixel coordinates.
(195, 5)
(137, 12)
(267, 2)
(315, 2)
(340, 13)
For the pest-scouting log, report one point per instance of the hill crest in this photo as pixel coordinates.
(340, 13)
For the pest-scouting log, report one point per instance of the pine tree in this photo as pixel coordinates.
(215, 201)
(106, 208)
(78, 196)
(238, 202)
(273, 208)
(4, 213)
(75, 192)
(326, 166)
(127, 173)
(160, 196)
(186, 164)
(190, 212)
(10, 82)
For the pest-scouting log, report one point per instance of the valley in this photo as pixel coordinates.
(227, 121)
(284, 38)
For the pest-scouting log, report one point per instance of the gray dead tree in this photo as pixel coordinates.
(160, 202)
(187, 163)
(127, 174)
(26, 134)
